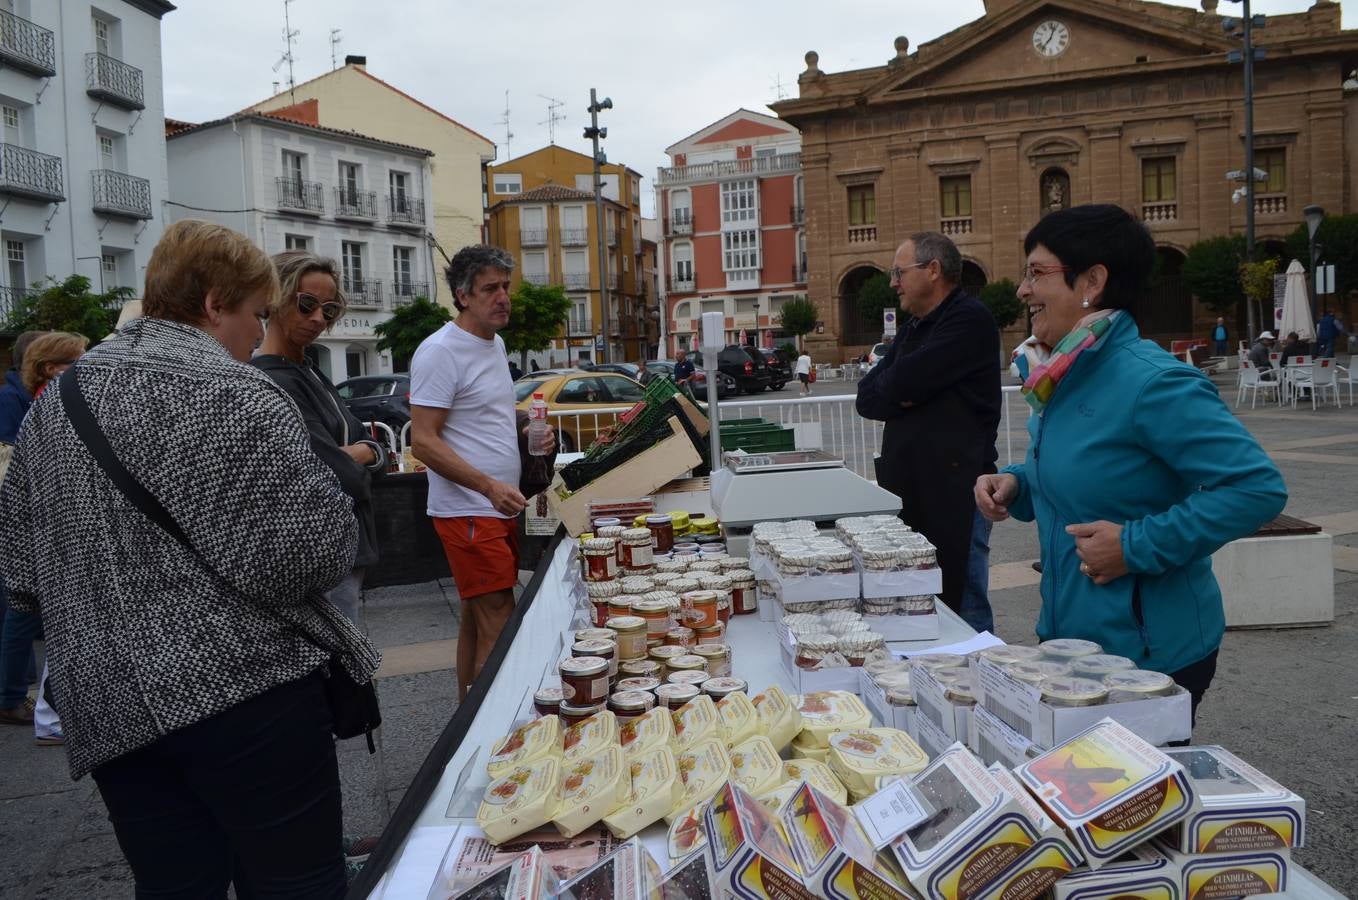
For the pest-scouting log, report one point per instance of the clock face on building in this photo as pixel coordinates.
(1051, 38)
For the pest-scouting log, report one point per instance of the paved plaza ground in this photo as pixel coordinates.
(1285, 700)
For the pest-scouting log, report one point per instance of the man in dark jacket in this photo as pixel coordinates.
(938, 391)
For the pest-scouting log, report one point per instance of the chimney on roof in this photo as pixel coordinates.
(354, 59)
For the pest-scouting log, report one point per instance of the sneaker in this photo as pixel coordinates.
(56, 739)
(18, 715)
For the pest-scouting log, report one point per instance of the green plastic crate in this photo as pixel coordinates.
(758, 439)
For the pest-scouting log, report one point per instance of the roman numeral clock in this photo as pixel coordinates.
(1051, 38)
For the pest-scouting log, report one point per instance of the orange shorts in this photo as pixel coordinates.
(483, 553)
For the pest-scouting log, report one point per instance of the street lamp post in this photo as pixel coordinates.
(1247, 56)
(595, 133)
(1315, 214)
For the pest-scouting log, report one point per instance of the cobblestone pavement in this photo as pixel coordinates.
(1285, 700)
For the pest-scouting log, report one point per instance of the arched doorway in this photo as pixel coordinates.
(1055, 185)
(855, 327)
(1166, 311)
(1275, 248)
(973, 277)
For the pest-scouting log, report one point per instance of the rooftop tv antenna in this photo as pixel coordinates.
(779, 88)
(335, 40)
(509, 135)
(553, 116)
(289, 37)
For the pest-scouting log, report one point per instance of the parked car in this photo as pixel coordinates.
(698, 383)
(579, 391)
(743, 365)
(779, 368)
(378, 398)
(631, 370)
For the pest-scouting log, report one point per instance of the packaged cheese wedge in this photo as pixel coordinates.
(591, 788)
(647, 732)
(825, 712)
(755, 766)
(739, 719)
(686, 832)
(778, 716)
(819, 775)
(860, 757)
(801, 750)
(585, 739)
(525, 798)
(696, 721)
(527, 743)
(704, 768)
(656, 789)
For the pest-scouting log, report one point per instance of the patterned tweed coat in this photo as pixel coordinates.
(141, 639)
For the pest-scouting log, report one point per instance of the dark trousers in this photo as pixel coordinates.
(1195, 679)
(18, 631)
(250, 796)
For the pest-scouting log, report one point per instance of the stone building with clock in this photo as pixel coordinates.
(1042, 104)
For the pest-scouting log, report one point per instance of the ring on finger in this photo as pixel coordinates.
(1084, 567)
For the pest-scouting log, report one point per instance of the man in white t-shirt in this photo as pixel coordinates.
(804, 372)
(464, 429)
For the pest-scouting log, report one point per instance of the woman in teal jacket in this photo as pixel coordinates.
(1137, 472)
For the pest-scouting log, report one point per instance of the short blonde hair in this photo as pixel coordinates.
(293, 266)
(50, 349)
(195, 257)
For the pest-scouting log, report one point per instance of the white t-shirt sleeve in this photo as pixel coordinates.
(434, 375)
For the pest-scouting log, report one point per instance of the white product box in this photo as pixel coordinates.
(909, 583)
(1242, 809)
(899, 717)
(813, 588)
(930, 737)
(1143, 873)
(804, 681)
(1157, 720)
(906, 628)
(930, 697)
(1208, 875)
(1051, 857)
(996, 742)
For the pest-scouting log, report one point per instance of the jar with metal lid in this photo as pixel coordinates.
(718, 658)
(585, 678)
(601, 559)
(1004, 654)
(630, 636)
(714, 635)
(674, 696)
(634, 551)
(900, 697)
(571, 714)
(663, 654)
(656, 614)
(713, 581)
(594, 634)
(680, 637)
(661, 527)
(722, 686)
(547, 702)
(1067, 649)
(693, 677)
(641, 668)
(686, 662)
(630, 704)
(1097, 665)
(1070, 691)
(620, 605)
(606, 650)
(1035, 673)
(639, 683)
(935, 661)
(686, 547)
(1138, 684)
(607, 522)
(700, 608)
(743, 598)
(723, 608)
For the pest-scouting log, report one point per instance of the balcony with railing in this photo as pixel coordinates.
(681, 221)
(862, 234)
(404, 291)
(612, 237)
(26, 46)
(798, 214)
(1270, 204)
(576, 281)
(113, 81)
(782, 163)
(11, 298)
(533, 237)
(1159, 213)
(359, 205)
(681, 285)
(28, 173)
(580, 324)
(613, 281)
(955, 226)
(362, 293)
(297, 196)
(404, 211)
(574, 237)
(120, 194)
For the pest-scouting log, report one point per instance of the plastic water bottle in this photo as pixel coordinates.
(537, 427)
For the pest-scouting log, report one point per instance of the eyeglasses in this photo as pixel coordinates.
(897, 271)
(308, 303)
(1033, 271)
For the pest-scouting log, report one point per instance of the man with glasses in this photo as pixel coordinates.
(938, 391)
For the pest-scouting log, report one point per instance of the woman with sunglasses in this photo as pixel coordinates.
(1137, 472)
(308, 304)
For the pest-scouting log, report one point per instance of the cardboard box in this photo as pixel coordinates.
(1158, 720)
(1052, 857)
(901, 627)
(837, 860)
(628, 873)
(526, 878)
(874, 698)
(977, 832)
(1219, 876)
(933, 703)
(692, 878)
(1143, 873)
(930, 737)
(1241, 810)
(817, 588)
(995, 742)
(805, 681)
(752, 858)
(639, 476)
(1109, 789)
(910, 583)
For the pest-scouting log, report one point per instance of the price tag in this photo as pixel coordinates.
(891, 812)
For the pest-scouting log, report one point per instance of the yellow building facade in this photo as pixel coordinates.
(352, 99)
(541, 209)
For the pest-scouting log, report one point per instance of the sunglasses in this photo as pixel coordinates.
(308, 304)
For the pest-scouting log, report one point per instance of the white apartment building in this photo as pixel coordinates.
(290, 184)
(82, 161)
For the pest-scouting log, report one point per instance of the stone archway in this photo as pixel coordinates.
(1165, 313)
(855, 328)
(973, 277)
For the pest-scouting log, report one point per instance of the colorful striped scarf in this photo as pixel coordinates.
(1041, 382)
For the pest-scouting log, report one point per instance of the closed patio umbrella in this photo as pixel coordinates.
(1296, 305)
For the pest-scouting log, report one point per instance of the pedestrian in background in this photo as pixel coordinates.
(804, 372)
(1328, 330)
(188, 667)
(1260, 350)
(308, 305)
(1219, 337)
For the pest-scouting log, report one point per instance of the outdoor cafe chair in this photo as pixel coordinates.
(1319, 378)
(1253, 380)
(1345, 376)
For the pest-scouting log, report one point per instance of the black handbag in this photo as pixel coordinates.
(354, 708)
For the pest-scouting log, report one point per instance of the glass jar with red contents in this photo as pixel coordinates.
(662, 532)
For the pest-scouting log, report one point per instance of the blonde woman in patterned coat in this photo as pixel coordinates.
(191, 686)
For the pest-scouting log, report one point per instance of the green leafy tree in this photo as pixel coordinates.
(1211, 271)
(408, 325)
(1338, 240)
(875, 295)
(69, 305)
(1001, 298)
(798, 317)
(1256, 280)
(536, 315)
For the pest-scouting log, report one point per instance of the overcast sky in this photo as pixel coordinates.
(669, 70)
